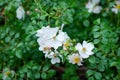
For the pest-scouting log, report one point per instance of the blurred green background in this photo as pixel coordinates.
(19, 49)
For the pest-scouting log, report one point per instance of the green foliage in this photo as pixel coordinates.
(19, 49)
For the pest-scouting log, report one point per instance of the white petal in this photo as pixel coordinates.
(78, 46)
(95, 1)
(89, 53)
(115, 10)
(97, 9)
(61, 36)
(89, 6)
(55, 60)
(84, 43)
(79, 64)
(90, 46)
(54, 43)
(117, 2)
(83, 55)
(20, 13)
(47, 32)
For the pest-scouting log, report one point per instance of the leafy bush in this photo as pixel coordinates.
(97, 22)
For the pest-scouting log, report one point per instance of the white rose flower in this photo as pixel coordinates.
(8, 74)
(75, 59)
(54, 56)
(20, 13)
(47, 37)
(85, 49)
(51, 37)
(93, 6)
(116, 7)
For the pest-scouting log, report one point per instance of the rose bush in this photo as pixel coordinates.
(77, 39)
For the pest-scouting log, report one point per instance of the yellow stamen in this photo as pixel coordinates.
(76, 59)
(66, 44)
(84, 49)
(55, 55)
(54, 37)
(117, 6)
(7, 73)
(45, 48)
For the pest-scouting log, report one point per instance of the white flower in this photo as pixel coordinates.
(116, 7)
(93, 6)
(85, 49)
(75, 59)
(7, 74)
(54, 56)
(20, 13)
(47, 37)
(51, 37)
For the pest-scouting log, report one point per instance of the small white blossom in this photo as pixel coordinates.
(20, 13)
(93, 6)
(75, 59)
(8, 74)
(47, 37)
(85, 49)
(116, 7)
(54, 56)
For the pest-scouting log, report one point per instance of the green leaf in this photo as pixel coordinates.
(92, 59)
(7, 39)
(43, 75)
(96, 34)
(46, 67)
(17, 35)
(98, 21)
(37, 75)
(24, 69)
(96, 28)
(113, 64)
(51, 72)
(96, 41)
(18, 54)
(86, 23)
(29, 74)
(98, 75)
(91, 78)
(90, 72)
(101, 67)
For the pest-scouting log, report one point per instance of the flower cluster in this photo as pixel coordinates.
(94, 7)
(52, 41)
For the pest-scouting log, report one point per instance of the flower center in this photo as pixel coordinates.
(117, 6)
(45, 48)
(76, 59)
(66, 44)
(53, 37)
(84, 49)
(7, 73)
(55, 55)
